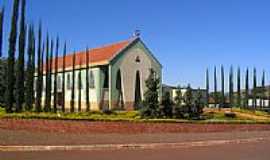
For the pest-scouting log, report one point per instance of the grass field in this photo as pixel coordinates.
(209, 116)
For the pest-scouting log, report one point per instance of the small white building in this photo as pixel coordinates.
(173, 92)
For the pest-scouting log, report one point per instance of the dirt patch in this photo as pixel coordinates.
(85, 127)
(56, 132)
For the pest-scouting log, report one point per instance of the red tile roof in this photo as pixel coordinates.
(96, 55)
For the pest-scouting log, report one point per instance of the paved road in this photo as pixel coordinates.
(10, 137)
(249, 151)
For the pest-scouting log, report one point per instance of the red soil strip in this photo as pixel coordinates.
(85, 127)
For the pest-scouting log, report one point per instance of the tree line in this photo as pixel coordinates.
(21, 75)
(238, 96)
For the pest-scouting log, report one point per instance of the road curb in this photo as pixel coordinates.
(128, 146)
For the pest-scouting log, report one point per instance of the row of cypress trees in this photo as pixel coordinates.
(21, 77)
(236, 98)
(20, 82)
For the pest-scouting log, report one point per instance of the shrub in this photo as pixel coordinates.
(167, 109)
(230, 114)
(151, 103)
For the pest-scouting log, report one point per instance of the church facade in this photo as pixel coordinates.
(117, 74)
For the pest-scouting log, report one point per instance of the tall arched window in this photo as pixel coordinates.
(79, 80)
(59, 82)
(120, 101)
(68, 82)
(138, 96)
(91, 79)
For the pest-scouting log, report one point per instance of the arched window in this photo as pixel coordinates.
(120, 101)
(79, 80)
(68, 82)
(138, 96)
(91, 80)
(44, 84)
(106, 78)
(59, 82)
(138, 60)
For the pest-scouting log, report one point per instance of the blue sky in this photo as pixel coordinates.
(187, 36)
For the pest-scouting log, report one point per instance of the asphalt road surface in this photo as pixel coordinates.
(247, 151)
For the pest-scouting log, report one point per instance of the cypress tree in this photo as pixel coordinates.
(254, 89)
(198, 104)
(151, 102)
(11, 58)
(207, 88)
(72, 107)
(231, 94)
(28, 66)
(238, 87)
(268, 96)
(167, 106)
(3, 82)
(247, 89)
(55, 77)
(50, 73)
(42, 73)
(20, 65)
(64, 78)
(33, 66)
(222, 87)
(263, 90)
(1, 29)
(215, 87)
(39, 81)
(47, 107)
(87, 82)
(30, 74)
(79, 89)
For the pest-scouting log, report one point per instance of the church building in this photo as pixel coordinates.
(117, 74)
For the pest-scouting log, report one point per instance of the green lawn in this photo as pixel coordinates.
(212, 116)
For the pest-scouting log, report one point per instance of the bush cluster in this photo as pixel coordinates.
(189, 106)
